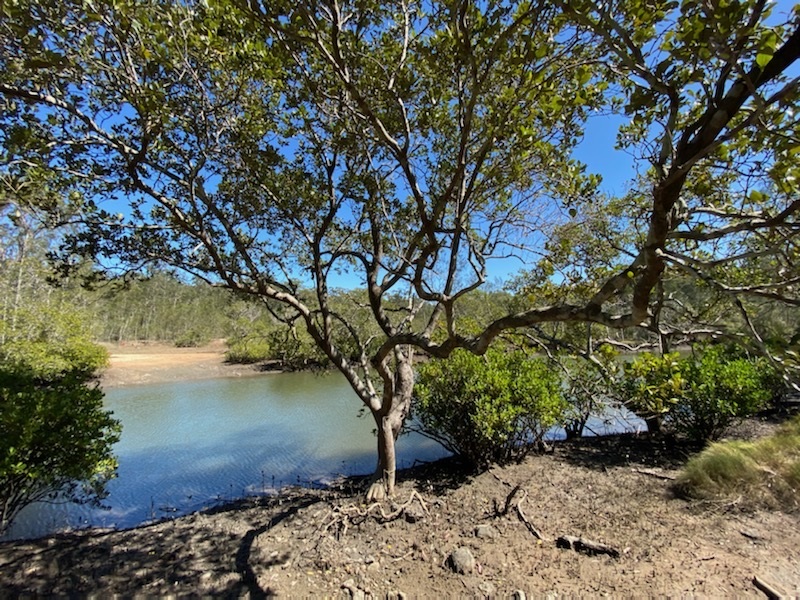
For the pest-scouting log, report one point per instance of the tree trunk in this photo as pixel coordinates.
(653, 424)
(389, 419)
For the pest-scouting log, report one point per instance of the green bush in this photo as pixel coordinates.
(719, 390)
(490, 408)
(262, 341)
(699, 396)
(192, 338)
(588, 387)
(55, 442)
(248, 350)
(48, 343)
(55, 438)
(651, 385)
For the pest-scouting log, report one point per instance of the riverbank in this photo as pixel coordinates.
(312, 543)
(142, 363)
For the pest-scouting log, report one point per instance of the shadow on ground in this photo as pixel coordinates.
(161, 558)
(621, 450)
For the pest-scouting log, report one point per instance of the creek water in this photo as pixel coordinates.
(190, 445)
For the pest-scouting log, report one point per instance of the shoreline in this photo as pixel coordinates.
(144, 363)
(614, 490)
(323, 543)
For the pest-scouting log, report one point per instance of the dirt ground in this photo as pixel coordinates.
(313, 543)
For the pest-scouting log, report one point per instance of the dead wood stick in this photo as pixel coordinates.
(655, 474)
(772, 592)
(570, 542)
(509, 498)
(536, 533)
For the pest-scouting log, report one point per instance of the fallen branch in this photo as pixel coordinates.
(536, 533)
(509, 498)
(772, 592)
(570, 542)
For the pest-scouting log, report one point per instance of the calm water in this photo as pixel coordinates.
(190, 445)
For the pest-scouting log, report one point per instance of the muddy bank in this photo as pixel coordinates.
(324, 543)
(311, 543)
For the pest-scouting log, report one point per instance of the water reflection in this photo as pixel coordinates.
(189, 445)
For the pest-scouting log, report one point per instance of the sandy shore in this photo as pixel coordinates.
(133, 364)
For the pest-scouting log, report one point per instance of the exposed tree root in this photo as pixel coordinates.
(341, 517)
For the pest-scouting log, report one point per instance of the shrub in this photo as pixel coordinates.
(588, 387)
(55, 438)
(192, 338)
(699, 396)
(292, 348)
(55, 442)
(719, 390)
(48, 343)
(490, 408)
(247, 351)
(651, 385)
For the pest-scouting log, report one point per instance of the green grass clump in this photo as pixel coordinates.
(763, 473)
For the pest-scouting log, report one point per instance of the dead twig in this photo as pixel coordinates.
(654, 473)
(509, 498)
(570, 542)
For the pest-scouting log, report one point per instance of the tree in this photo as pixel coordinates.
(711, 101)
(55, 438)
(273, 147)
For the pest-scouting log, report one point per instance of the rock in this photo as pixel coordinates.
(413, 514)
(518, 595)
(487, 589)
(486, 532)
(353, 590)
(462, 561)
(396, 595)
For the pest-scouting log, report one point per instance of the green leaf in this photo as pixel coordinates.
(762, 59)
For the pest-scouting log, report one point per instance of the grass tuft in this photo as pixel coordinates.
(763, 473)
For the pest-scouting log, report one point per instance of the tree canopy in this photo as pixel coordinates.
(270, 147)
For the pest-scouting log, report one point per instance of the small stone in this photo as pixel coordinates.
(462, 561)
(487, 589)
(354, 591)
(486, 532)
(518, 595)
(396, 595)
(413, 514)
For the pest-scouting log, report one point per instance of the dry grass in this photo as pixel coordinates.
(763, 473)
